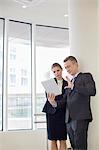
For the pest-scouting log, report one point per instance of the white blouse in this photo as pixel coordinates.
(60, 83)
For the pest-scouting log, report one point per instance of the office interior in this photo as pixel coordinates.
(33, 35)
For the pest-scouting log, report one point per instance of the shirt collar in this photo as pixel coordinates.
(76, 75)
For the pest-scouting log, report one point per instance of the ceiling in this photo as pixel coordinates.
(48, 12)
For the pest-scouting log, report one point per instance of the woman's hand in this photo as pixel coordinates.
(51, 99)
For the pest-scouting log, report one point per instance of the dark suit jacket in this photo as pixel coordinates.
(78, 99)
(48, 108)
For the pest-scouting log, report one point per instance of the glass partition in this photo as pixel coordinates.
(52, 45)
(1, 69)
(19, 76)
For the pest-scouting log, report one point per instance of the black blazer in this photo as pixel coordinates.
(78, 99)
(48, 108)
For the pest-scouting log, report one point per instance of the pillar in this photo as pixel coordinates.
(83, 33)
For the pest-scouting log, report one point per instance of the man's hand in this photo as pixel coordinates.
(70, 83)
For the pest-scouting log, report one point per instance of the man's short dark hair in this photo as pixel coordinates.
(71, 58)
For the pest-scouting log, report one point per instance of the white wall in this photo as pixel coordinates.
(83, 41)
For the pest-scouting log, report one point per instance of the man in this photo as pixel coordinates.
(78, 93)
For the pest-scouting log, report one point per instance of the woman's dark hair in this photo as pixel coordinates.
(56, 65)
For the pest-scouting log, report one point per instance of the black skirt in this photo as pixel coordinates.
(56, 126)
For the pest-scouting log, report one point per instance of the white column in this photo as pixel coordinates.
(83, 45)
(83, 30)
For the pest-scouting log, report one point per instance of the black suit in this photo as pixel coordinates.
(78, 105)
(78, 100)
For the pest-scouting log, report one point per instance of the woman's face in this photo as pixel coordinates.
(57, 71)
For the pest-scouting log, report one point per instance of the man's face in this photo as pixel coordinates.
(71, 67)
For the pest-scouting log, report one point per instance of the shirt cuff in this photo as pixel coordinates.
(54, 104)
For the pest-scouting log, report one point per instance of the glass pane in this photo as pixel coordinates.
(19, 76)
(52, 45)
(1, 68)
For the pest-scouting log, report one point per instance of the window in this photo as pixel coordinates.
(52, 45)
(12, 79)
(24, 78)
(23, 81)
(19, 76)
(21, 73)
(1, 68)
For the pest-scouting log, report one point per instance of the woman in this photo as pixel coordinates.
(56, 127)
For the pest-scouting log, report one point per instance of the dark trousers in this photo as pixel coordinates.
(77, 131)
